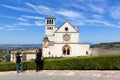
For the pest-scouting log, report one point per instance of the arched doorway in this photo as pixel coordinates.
(66, 50)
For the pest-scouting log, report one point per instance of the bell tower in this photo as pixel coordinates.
(50, 26)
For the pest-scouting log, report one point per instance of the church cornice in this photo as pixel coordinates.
(50, 25)
(66, 43)
(66, 32)
(72, 43)
(50, 18)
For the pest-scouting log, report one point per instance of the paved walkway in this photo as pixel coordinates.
(61, 75)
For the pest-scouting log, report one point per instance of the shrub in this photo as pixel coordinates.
(106, 62)
(7, 66)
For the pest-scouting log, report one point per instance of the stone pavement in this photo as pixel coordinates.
(61, 75)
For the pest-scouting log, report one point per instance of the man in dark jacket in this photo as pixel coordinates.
(18, 62)
(38, 59)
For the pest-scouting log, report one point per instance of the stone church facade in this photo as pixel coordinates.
(63, 41)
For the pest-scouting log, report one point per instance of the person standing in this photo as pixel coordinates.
(7, 56)
(18, 62)
(38, 59)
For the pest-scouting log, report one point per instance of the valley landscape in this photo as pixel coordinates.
(96, 49)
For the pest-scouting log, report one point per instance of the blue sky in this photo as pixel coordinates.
(23, 21)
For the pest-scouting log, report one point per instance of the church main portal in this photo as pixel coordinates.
(66, 50)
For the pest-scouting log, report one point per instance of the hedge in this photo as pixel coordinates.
(85, 63)
(7, 66)
(111, 62)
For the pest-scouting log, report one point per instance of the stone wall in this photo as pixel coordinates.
(100, 51)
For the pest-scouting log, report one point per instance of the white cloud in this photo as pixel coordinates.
(93, 23)
(12, 27)
(100, 23)
(35, 8)
(9, 26)
(96, 8)
(41, 9)
(78, 22)
(44, 10)
(32, 17)
(78, 6)
(24, 24)
(16, 29)
(118, 23)
(16, 18)
(1, 28)
(69, 13)
(19, 8)
(98, 16)
(50, 11)
(39, 23)
(20, 26)
(9, 17)
(22, 19)
(115, 12)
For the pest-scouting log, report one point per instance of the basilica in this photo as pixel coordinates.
(62, 41)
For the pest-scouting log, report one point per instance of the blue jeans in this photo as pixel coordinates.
(19, 65)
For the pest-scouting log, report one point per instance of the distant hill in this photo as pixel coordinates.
(4, 47)
(107, 45)
(87, 43)
(20, 45)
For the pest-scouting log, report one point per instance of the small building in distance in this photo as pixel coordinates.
(26, 55)
(63, 41)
